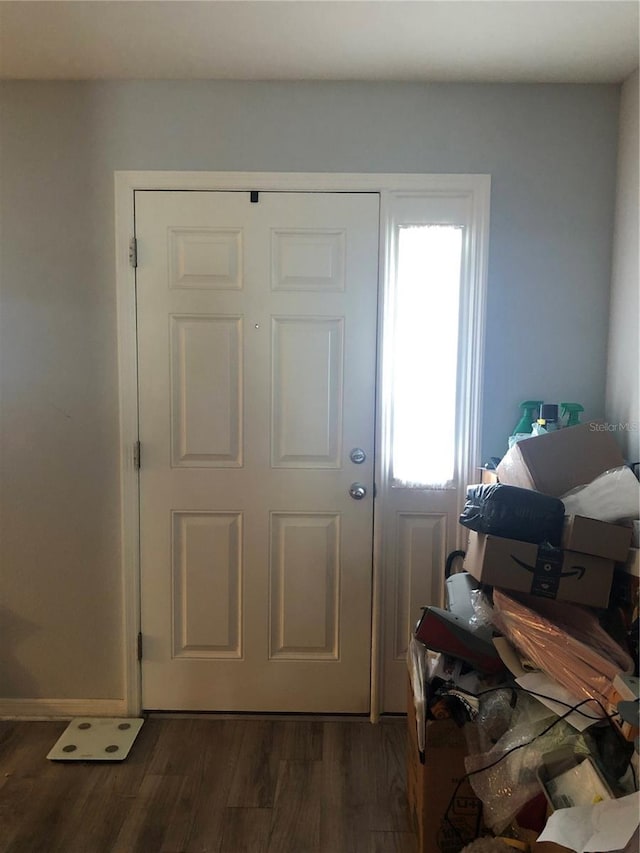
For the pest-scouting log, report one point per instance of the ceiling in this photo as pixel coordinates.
(550, 41)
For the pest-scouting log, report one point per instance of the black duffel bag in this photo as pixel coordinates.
(513, 513)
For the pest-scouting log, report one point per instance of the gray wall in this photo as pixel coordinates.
(551, 151)
(623, 377)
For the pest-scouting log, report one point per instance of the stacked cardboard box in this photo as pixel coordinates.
(446, 811)
(582, 572)
(559, 461)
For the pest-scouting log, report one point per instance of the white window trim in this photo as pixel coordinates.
(392, 188)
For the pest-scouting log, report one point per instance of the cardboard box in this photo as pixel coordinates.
(559, 461)
(524, 567)
(631, 563)
(600, 538)
(445, 819)
(488, 476)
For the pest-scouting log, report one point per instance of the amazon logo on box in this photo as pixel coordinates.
(539, 570)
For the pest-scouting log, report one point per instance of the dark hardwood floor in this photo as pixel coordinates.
(211, 786)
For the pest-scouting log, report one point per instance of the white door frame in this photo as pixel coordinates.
(390, 186)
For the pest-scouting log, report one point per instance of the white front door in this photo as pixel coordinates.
(257, 351)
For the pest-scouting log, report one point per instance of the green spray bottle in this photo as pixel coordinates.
(530, 409)
(572, 413)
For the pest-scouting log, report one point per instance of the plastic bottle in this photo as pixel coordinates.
(530, 409)
(572, 412)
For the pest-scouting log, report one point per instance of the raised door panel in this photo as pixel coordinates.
(205, 258)
(305, 585)
(308, 260)
(207, 584)
(307, 387)
(421, 544)
(206, 378)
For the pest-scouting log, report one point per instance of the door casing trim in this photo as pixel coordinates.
(476, 186)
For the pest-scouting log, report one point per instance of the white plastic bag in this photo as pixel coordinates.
(613, 496)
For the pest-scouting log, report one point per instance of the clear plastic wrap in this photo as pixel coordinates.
(613, 496)
(570, 646)
(482, 611)
(508, 785)
(494, 718)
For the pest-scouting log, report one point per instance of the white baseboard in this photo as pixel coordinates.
(47, 709)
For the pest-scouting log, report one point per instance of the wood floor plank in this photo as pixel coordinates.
(183, 747)
(147, 822)
(387, 771)
(206, 753)
(16, 809)
(302, 741)
(210, 786)
(295, 826)
(24, 746)
(221, 743)
(93, 822)
(49, 800)
(207, 829)
(256, 773)
(246, 830)
(346, 789)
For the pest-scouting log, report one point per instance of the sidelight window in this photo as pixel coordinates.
(424, 358)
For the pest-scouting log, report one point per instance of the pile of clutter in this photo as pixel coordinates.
(536, 653)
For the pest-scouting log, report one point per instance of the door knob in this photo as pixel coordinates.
(357, 491)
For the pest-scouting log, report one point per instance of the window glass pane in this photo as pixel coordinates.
(425, 349)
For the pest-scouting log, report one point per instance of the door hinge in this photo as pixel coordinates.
(139, 645)
(136, 455)
(133, 252)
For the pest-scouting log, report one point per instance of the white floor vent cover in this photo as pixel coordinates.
(96, 739)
